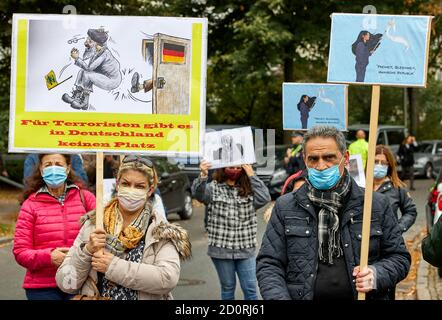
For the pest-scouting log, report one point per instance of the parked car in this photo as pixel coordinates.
(433, 208)
(428, 158)
(174, 186)
(389, 135)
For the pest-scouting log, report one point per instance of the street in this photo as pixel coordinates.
(198, 276)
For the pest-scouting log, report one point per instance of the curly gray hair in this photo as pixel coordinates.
(326, 132)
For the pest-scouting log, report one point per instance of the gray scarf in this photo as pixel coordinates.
(329, 202)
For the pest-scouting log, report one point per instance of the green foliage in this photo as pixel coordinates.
(430, 108)
(4, 123)
(14, 167)
(253, 47)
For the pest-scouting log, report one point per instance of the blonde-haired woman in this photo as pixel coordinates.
(142, 252)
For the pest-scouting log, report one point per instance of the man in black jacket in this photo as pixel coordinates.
(406, 159)
(311, 248)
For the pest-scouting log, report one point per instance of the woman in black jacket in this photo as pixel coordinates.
(386, 181)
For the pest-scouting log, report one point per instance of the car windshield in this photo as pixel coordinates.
(424, 148)
(395, 136)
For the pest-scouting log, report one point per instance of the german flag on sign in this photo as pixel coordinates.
(173, 53)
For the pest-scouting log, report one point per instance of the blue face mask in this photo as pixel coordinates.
(325, 179)
(380, 171)
(54, 176)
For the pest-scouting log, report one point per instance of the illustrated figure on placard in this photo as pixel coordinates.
(305, 105)
(145, 86)
(229, 151)
(102, 70)
(364, 46)
(391, 25)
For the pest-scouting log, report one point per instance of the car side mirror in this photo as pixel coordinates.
(439, 151)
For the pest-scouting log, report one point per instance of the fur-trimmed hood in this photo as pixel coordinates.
(175, 233)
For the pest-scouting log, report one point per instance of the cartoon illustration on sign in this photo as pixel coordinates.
(379, 49)
(364, 46)
(306, 105)
(169, 82)
(112, 84)
(103, 68)
(98, 66)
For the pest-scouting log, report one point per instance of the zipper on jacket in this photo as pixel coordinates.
(65, 227)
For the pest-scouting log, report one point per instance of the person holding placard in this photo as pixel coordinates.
(48, 223)
(311, 247)
(232, 198)
(137, 255)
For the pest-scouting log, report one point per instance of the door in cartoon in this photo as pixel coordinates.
(171, 75)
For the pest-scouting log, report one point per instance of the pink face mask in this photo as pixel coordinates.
(131, 199)
(233, 174)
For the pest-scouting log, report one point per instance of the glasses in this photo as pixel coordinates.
(136, 158)
(384, 163)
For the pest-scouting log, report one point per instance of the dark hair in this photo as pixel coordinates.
(244, 188)
(301, 101)
(358, 39)
(35, 180)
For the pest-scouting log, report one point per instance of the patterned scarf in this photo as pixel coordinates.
(118, 241)
(329, 202)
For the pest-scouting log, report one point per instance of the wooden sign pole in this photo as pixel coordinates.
(374, 115)
(99, 191)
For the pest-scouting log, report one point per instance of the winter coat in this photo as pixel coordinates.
(154, 278)
(45, 224)
(400, 200)
(406, 155)
(287, 262)
(232, 222)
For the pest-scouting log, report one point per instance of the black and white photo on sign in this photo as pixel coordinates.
(227, 148)
(356, 169)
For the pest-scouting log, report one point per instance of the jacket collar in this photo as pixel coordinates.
(355, 199)
(385, 186)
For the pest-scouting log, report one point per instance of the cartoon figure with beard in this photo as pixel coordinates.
(102, 70)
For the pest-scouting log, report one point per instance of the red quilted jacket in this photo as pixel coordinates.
(43, 225)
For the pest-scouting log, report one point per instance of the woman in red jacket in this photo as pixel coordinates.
(48, 224)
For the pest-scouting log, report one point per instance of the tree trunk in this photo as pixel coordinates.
(412, 103)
